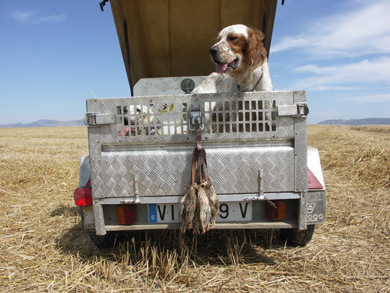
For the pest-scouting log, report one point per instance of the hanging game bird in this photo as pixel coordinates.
(213, 201)
(203, 211)
(199, 206)
(188, 207)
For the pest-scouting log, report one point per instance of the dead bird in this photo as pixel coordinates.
(187, 210)
(213, 201)
(203, 209)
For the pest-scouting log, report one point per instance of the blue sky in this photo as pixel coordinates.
(53, 53)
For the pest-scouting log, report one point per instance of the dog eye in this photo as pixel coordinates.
(232, 38)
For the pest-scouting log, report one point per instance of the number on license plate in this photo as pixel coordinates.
(228, 212)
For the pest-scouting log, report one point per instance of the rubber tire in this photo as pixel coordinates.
(295, 237)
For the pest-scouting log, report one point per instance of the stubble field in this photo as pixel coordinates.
(44, 248)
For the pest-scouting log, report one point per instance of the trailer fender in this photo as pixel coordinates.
(85, 172)
(87, 215)
(316, 192)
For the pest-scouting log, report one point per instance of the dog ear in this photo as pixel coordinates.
(255, 54)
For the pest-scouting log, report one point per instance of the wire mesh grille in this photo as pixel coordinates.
(240, 116)
(220, 117)
(153, 119)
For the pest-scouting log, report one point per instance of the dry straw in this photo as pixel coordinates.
(43, 247)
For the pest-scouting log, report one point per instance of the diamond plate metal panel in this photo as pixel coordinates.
(95, 161)
(300, 147)
(235, 170)
(167, 172)
(150, 140)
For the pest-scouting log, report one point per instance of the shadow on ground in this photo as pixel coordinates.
(218, 247)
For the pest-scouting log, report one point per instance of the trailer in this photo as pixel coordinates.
(140, 147)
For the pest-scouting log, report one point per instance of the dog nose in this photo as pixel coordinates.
(213, 51)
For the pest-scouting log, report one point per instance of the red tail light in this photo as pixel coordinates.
(83, 196)
(277, 213)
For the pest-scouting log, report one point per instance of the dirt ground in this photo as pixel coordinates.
(44, 248)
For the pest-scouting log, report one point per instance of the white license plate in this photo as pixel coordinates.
(228, 212)
(89, 219)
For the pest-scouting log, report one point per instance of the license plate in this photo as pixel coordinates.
(89, 219)
(228, 212)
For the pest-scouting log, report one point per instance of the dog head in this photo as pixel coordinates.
(238, 48)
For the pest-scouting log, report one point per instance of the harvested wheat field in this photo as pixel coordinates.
(44, 248)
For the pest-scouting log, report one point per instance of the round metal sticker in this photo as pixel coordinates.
(187, 85)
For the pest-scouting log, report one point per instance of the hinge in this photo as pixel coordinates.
(94, 119)
(298, 110)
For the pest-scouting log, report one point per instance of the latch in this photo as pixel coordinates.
(303, 110)
(195, 118)
(94, 119)
(261, 195)
(298, 110)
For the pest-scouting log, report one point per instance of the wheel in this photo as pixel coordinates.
(295, 237)
(109, 240)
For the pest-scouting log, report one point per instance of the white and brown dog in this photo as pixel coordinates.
(241, 61)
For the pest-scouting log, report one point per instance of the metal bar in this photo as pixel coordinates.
(261, 183)
(136, 189)
(303, 212)
(221, 226)
(176, 199)
(99, 219)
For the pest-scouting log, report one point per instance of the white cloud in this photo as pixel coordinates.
(346, 76)
(22, 16)
(367, 99)
(356, 33)
(32, 17)
(53, 18)
(332, 88)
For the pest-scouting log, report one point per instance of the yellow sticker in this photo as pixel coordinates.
(165, 109)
